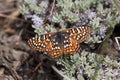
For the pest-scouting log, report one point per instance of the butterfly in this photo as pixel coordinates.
(61, 42)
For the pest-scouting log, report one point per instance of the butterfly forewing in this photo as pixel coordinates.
(41, 43)
(79, 33)
(83, 33)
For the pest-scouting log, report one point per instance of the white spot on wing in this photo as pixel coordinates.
(73, 30)
(44, 37)
(47, 39)
(78, 30)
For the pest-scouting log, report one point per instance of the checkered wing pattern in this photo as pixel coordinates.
(62, 42)
(41, 43)
(80, 33)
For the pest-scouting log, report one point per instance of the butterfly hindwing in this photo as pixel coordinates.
(55, 53)
(71, 46)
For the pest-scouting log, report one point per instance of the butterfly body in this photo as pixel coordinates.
(62, 42)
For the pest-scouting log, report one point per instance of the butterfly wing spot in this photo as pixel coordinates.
(47, 39)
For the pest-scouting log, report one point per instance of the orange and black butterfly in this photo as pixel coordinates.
(59, 43)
